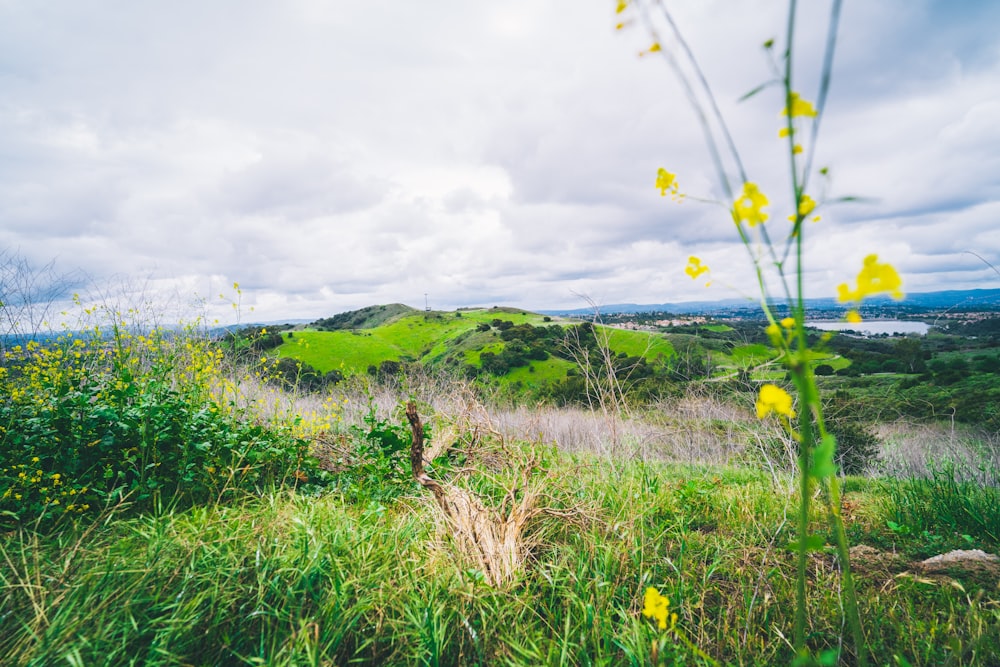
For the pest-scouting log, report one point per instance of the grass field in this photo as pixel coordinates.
(431, 338)
(290, 580)
(210, 538)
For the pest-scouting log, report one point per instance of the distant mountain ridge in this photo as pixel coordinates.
(985, 299)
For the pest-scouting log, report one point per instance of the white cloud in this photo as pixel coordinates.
(332, 155)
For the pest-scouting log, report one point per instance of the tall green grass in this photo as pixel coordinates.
(287, 580)
(943, 506)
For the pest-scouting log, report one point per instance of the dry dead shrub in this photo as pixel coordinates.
(495, 540)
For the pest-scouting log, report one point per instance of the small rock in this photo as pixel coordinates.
(960, 556)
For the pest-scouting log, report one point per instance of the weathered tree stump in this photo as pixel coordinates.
(493, 541)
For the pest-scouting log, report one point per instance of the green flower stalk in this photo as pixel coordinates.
(747, 206)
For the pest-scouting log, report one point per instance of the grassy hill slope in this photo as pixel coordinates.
(443, 339)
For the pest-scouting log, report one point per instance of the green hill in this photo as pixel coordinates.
(513, 345)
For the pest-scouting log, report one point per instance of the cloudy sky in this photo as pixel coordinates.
(328, 155)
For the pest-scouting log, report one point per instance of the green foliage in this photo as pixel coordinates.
(286, 580)
(379, 470)
(84, 425)
(364, 318)
(847, 421)
(944, 503)
(298, 375)
(857, 446)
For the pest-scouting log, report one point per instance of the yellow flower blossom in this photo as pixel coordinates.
(749, 204)
(666, 182)
(622, 6)
(695, 268)
(806, 206)
(853, 316)
(800, 107)
(788, 322)
(874, 278)
(657, 607)
(773, 398)
(652, 49)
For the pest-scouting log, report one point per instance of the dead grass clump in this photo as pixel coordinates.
(494, 539)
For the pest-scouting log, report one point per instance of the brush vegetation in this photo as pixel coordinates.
(232, 522)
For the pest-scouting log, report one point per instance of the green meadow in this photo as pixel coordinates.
(165, 503)
(440, 339)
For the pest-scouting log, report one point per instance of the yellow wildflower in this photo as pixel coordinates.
(695, 268)
(853, 316)
(806, 206)
(666, 182)
(652, 49)
(773, 398)
(749, 204)
(657, 607)
(788, 322)
(800, 107)
(874, 278)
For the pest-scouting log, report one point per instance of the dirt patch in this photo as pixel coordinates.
(874, 563)
(974, 564)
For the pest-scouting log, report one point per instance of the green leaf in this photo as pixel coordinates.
(758, 89)
(813, 543)
(822, 460)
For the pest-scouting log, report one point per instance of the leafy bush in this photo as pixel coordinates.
(133, 417)
(380, 469)
(857, 446)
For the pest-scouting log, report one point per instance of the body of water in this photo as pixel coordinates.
(873, 327)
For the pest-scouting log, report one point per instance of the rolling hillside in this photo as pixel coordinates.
(532, 345)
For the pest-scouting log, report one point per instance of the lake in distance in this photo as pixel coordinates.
(873, 327)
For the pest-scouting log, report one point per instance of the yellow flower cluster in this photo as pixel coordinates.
(667, 182)
(806, 206)
(657, 608)
(799, 107)
(695, 268)
(749, 206)
(315, 422)
(874, 278)
(773, 398)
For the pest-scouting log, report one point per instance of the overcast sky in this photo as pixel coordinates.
(329, 155)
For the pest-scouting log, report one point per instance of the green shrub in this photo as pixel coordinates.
(88, 423)
(857, 446)
(380, 469)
